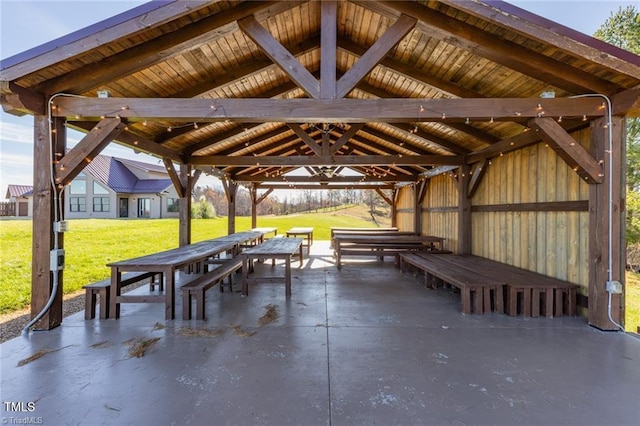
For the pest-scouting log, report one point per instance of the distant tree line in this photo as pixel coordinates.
(297, 201)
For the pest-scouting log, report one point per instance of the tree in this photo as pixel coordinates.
(622, 29)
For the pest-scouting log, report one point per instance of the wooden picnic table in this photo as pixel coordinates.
(305, 232)
(381, 245)
(274, 248)
(168, 262)
(267, 231)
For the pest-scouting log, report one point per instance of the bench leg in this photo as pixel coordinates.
(200, 305)
(559, 305)
(499, 299)
(487, 300)
(465, 294)
(104, 302)
(89, 304)
(186, 305)
(512, 295)
(535, 303)
(478, 296)
(526, 302)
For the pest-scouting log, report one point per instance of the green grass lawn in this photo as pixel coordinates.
(632, 302)
(92, 243)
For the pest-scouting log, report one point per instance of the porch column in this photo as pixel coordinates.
(253, 194)
(394, 207)
(184, 214)
(44, 215)
(231, 190)
(606, 224)
(464, 210)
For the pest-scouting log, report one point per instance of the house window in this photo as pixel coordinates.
(144, 207)
(77, 204)
(78, 186)
(100, 204)
(172, 204)
(99, 189)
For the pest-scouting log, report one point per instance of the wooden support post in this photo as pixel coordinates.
(601, 234)
(464, 210)
(184, 215)
(231, 190)
(253, 195)
(394, 207)
(44, 211)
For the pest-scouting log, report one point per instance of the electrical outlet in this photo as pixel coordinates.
(61, 226)
(56, 260)
(614, 287)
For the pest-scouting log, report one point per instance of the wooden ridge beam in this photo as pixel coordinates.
(87, 149)
(248, 110)
(568, 149)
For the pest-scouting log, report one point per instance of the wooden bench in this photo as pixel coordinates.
(103, 290)
(344, 230)
(197, 287)
(528, 293)
(478, 293)
(382, 245)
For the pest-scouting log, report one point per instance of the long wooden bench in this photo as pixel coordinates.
(102, 289)
(478, 293)
(391, 244)
(344, 230)
(196, 288)
(528, 293)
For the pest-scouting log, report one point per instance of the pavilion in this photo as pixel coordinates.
(479, 122)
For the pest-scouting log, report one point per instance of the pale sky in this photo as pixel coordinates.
(25, 24)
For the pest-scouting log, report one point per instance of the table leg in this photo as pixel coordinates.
(170, 306)
(114, 308)
(287, 276)
(301, 263)
(245, 273)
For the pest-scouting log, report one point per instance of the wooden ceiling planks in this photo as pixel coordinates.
(455, 51)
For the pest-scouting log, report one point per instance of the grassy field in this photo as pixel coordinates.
(92, 243)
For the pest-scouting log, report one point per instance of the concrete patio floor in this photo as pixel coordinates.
(362, 346)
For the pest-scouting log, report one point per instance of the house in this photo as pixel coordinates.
(110, 188)
(20, 201)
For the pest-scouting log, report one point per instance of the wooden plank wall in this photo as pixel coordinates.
(440, 210)
(553, 243)
(405, 208)
(550, 238)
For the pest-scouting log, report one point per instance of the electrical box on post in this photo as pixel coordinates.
(61, 226)
(56, 261)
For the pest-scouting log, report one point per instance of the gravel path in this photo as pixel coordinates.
(11, 324)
